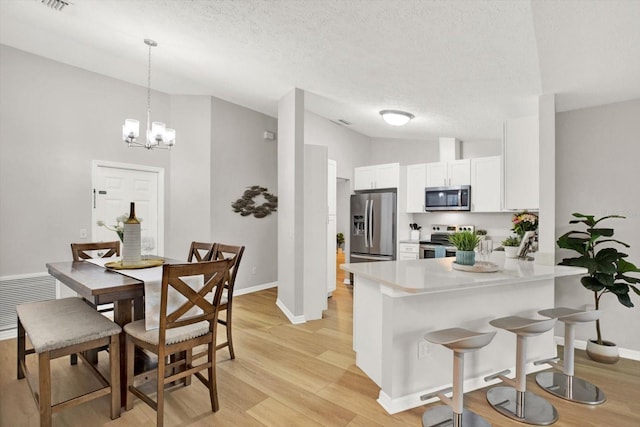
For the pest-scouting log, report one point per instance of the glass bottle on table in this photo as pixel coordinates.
(131, 247)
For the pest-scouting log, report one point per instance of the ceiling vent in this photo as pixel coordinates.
(56, 4)
(344, 122)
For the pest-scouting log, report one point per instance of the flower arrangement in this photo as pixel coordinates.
(118, 227)
(524, 221)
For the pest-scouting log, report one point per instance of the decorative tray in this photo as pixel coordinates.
(144, 263)
(478, 267)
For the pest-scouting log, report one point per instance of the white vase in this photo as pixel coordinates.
(511, 251)
(607, 353)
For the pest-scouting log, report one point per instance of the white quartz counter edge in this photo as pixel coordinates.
(426, 276)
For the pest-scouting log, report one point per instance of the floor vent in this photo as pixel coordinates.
(15, 290)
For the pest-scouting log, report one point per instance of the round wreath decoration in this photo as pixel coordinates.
(246, 205)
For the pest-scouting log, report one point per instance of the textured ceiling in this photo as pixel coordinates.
(462, 67)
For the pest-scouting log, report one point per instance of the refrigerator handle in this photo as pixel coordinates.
(371, 223)
(366, 223)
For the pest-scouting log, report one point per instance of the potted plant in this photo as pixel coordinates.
(339, 241)
(511, 245)
(465, 243)
(607, 272)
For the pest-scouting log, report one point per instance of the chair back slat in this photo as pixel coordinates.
(173, 278)
(201, 251)
(81, 251)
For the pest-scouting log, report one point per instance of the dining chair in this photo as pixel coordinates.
(201, 251)
(183, 326)
(58, 328)
(223, 251)
(82, 251)
(91, 250)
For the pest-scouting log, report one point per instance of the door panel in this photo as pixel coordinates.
(358, 228)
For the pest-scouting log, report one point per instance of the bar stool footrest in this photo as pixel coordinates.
(436, 393)
(497, 375)
(537, 411)
(553, 361)
(442, 416)
(570, 388)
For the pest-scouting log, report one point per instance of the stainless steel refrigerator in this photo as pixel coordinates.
(373, 226)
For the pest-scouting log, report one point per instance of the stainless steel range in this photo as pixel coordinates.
(439, 244)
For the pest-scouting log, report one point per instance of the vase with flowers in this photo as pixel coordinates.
(524, 221)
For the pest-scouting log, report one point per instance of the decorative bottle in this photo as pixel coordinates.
(131, 251)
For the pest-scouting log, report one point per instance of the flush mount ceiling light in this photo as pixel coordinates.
(158, 135)
(396, 117)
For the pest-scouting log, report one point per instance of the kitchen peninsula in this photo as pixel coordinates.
(396, 302)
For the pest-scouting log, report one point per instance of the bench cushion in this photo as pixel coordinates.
(63, 322)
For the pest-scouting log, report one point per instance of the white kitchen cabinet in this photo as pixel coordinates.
(486, 184)
(331, 186)
(376, 176)
(443, 174)
(521, 163)
(409, 251)
(416, 183)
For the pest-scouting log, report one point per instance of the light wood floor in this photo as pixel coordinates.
(298, 375)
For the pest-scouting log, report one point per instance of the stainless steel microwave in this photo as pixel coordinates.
(448, 198)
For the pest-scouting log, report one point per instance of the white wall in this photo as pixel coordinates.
(54, 120)
(190, 174)
(597, 152)
(240, 157)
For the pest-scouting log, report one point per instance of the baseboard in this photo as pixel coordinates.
(253, 289)
(292, 318)
(8, 334)
(625, 353)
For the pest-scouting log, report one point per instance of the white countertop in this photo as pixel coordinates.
(437, 275)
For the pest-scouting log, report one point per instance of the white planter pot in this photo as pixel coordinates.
(511, 251)
(607, 353)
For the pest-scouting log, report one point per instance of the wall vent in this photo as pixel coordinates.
(56, 4)
(15, 290)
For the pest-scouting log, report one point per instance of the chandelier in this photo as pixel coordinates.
(158, 135)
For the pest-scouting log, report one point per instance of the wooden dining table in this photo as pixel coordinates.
(99, 285)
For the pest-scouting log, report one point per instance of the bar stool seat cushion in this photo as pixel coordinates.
(522, 325)
(571, 315)
(460, 339)
(175, 335)
(61, 323)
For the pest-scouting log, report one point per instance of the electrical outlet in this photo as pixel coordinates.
(253, 270)
(423, 349)
(83, 233)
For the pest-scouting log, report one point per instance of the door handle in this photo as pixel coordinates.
(371, 223)
(366, 223)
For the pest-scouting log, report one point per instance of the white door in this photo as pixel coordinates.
(115, 186)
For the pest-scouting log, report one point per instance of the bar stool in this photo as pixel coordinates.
(460, 341)
(515, 401)
(564, 384)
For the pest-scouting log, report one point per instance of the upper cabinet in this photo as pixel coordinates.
(376, 176)
(416, 183)
(444, 174)
(521, 163)
(486, 184)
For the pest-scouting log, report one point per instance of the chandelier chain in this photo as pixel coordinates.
(149, 82)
